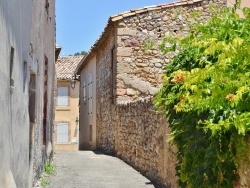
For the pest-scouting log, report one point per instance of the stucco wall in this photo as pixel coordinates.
(22, 24)
(86, 119)
(15, 24)
(43, 46)
(69, 115)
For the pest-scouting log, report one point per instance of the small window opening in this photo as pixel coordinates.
(47, 7)
(12, 50)
(90, 132)
(25, 72)
(176, 31)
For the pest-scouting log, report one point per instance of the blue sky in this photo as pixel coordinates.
(80, 22)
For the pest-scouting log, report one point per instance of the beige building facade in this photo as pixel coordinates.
(27, 58)
(66, 132)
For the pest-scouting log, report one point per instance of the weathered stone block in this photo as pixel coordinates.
(121, 92)
(121, 51)
(141, 64)
(121, 25)
(126, 31)
(123, 68)
(128, 60)
(136, 71)
(131, 91)
(131, 42)
(158, 65)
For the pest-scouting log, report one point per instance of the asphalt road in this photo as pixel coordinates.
(87, 169)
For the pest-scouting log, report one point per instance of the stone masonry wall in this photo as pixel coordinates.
(141, 140)
(104, 123)
(139, 72)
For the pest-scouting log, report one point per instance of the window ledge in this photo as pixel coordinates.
(63, 108)
(66, 143)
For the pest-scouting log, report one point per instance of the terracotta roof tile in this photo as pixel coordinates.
(65, 66)
(116, 18)
(154, 8)
(138, 11)
(128, 14)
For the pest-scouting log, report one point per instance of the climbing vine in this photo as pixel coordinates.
(206, 95)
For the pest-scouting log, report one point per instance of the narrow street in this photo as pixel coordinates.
(87, 169)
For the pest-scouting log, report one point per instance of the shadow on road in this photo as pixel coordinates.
(110, 153)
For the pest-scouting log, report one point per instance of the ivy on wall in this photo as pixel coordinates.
(206, 95)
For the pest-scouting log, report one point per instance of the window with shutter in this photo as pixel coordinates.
(62, 97)
(62, 133)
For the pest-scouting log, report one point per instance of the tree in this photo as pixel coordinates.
(81, 53)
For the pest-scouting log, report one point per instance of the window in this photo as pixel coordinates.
(90, 132)
(25, 72)
(45, 101)
(11, 66)
(47, 7)
(62, 133)
(62, 97)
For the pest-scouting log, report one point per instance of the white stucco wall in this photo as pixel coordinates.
(18, 30)
(89, 70)
(15, 24)
(43, 43)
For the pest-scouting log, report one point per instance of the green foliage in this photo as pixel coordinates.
(44, 181)
(148, 44)
(81, 53)
(49, 168)
(206, 94)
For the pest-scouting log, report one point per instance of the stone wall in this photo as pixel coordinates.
(137, 134)
(104, 122)
(139, 71)
(141, 140)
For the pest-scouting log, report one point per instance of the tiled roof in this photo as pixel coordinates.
(149, 8)
(65, 66)
(129, 13)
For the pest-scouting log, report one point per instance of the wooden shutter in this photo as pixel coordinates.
(62, 97)
(62, 133)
